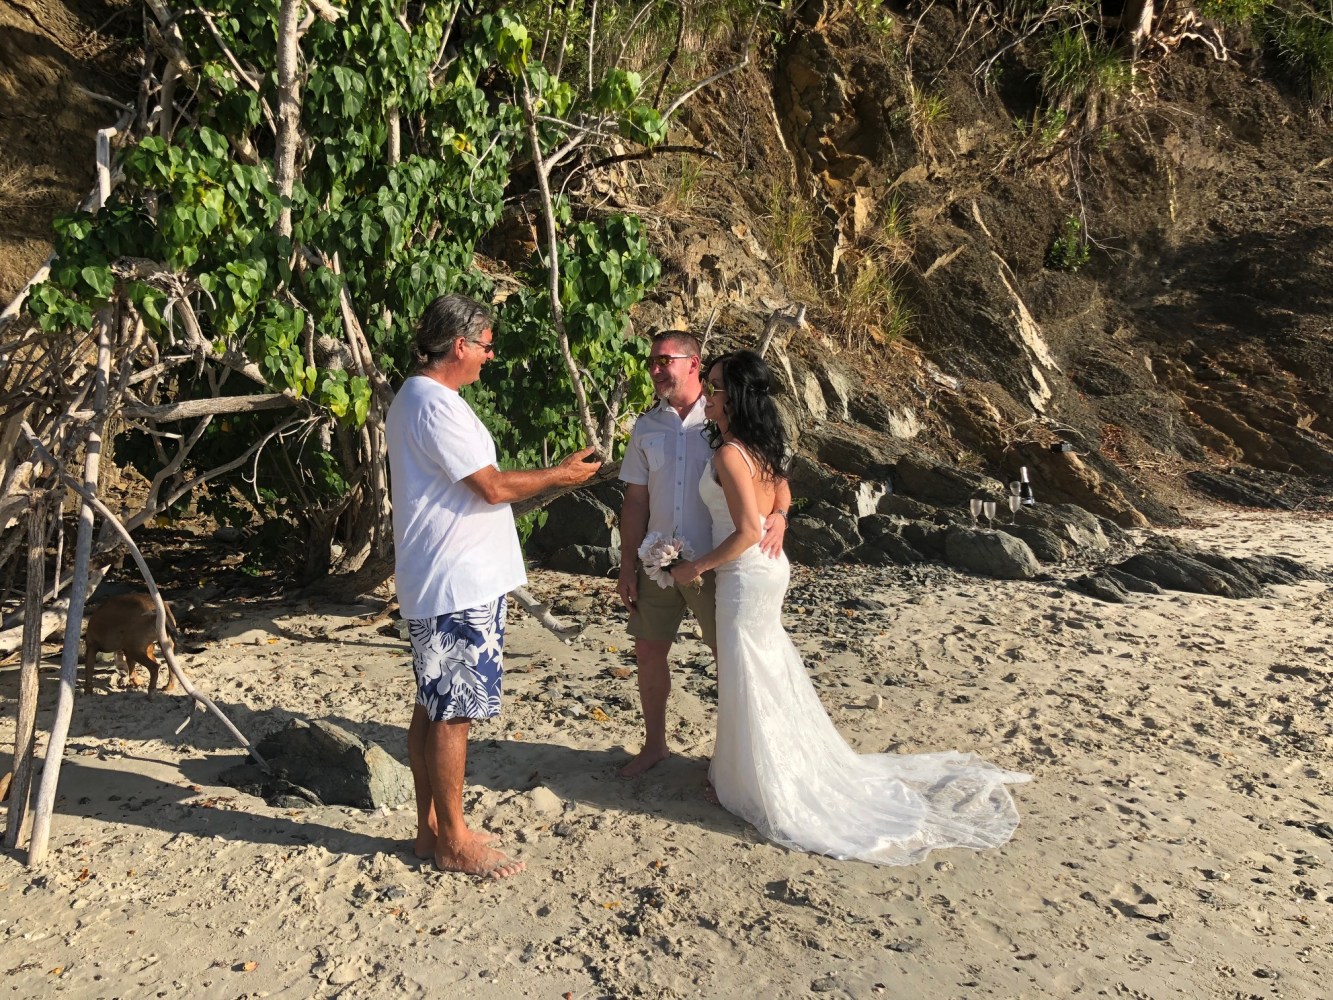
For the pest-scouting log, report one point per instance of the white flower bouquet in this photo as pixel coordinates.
(659, 553)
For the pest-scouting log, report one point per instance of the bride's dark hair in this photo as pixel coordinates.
(752, 415)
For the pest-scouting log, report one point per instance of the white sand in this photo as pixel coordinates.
(1175, 840)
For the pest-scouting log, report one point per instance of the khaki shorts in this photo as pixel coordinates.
(660, 609)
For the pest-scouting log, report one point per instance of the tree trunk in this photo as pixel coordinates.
(25, 742)
(350, 587)
(289, 108)
(1137, 22)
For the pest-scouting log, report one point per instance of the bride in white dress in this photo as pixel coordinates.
(779, 762)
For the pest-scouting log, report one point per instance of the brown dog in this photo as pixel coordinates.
(127, 626)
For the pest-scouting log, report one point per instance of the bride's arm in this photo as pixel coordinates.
(738, 487)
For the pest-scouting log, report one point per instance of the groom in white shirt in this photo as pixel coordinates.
(667, 454)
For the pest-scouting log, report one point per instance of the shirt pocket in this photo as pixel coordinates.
(654, 450)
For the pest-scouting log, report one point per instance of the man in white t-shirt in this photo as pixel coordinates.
(456, 556)
(667, 454)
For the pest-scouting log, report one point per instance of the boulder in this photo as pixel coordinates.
(990, 553)
(1178, 565)
(870, 411)
(610, 493)
(1074, 525)
(821, 533)
(905, 507)
(884, 544)
(320, 763)
(811, 481)
(813, 543)
(576, 519)
(1281, 570)
(875, 526)
(934, 482)
(1177, 571)
(1101, 587)
(844, 523)
(1116, 536)
(1130, 582)
(890, 550)
(928, 539)
(1233, 489)
(1045, 545)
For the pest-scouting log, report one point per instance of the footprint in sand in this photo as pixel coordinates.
(1137, 903)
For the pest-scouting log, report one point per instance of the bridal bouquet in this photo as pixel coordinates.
(659, 553)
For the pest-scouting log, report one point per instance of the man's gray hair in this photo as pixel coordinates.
(444, 321)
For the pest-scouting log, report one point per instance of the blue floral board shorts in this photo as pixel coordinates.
(458, 662)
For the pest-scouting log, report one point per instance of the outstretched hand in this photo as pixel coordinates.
(578, 468)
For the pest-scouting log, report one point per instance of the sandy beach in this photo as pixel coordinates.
(1175, 839)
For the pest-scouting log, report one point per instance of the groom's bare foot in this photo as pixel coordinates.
(643, 761)
(475, 858)
(424, 847)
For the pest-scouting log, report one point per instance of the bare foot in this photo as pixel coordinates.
(642, 762)
(424, 846)
(479, 860)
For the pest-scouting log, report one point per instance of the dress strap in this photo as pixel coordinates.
(749, 462)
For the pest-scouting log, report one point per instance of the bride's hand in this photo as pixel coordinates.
(685, 573)
(774, 531)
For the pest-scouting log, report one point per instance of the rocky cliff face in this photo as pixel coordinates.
(1193, 351)
(878, 178)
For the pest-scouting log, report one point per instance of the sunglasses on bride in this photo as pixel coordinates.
(712, 390)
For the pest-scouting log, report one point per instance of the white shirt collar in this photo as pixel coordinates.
(666, 407)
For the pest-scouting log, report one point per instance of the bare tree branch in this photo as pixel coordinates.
(542, 167)
(212, 407)
(649, 153)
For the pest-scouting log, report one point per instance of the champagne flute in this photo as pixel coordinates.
(1015, 501)
(989, 508)
(974, 505)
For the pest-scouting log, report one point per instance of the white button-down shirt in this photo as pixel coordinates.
(669, 456)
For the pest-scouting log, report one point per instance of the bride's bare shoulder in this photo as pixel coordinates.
(737, 454)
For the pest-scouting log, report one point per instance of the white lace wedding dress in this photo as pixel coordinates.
(780, 764)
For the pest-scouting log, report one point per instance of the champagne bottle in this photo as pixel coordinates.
(1025, 487)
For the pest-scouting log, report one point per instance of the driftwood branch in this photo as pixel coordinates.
(25, 728)
(542, 613)
(191, 408)
(160, 505)
(69, 662)
(776, 320)
(92, 502)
